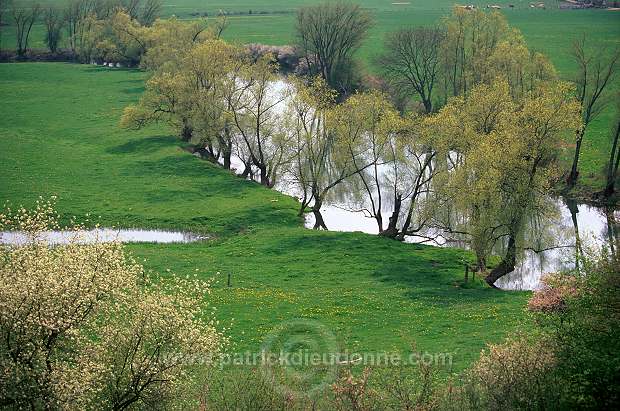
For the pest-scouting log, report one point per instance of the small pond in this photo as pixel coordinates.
(104, 235)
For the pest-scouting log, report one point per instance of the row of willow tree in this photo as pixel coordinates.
(461, 135)
(73, 21)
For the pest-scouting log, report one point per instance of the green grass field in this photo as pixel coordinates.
(59, 135)
(550, 31)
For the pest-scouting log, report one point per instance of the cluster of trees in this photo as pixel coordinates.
(81, 21)
(434, 64)
(474, 162)
(421, 67)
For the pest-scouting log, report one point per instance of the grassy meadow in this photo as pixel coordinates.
(59, 135)
(550, 31)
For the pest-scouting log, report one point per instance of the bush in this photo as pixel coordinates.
(285, 56)
(587, 334)
(518, 374)
(81, 325)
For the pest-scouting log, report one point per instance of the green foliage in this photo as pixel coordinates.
(549, 31)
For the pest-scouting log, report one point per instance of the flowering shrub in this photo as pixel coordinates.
(286, 56)
(553, 294)
(352, 392)
(81, 325)
(517, 374)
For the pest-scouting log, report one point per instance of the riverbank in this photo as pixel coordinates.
(60, 136)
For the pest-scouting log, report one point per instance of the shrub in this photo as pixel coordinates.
(81, 324)
(285, 56)
(554, 293)
(518, 374)
(587, 335)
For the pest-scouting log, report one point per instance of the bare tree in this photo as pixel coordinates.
(24, 18)
(596, 73)
(150, 12)
(75, 14)
(221, 24)
(256, 118)
(410, 62)
(132, 7)
(54, 22)
(328, 35)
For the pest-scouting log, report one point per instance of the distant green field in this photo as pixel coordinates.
(59, 135)
(550, 31)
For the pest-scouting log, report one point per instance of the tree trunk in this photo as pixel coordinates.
(205, 154)
(303, 205)
(264, 178)
(379, 219)
(572, 207)
(226, 147)
(319, 223)
(507, 265)
(481, 264)
(428, 105)
(392, 230)
(612, 234)
(186, 132)
(574, 172)
(612, 170)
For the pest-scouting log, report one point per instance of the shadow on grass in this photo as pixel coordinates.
(426, 274)
(133, 90)
(434, 286)
(143, 144)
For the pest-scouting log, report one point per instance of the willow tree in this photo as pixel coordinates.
(256, 113)
(508, 150)
(306, 120)
(390, 167)
(214, 70)
(169, 40)
(167, 98)
(328, 142)
(168, 95)
(319, 163)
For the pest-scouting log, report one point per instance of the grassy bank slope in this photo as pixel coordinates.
(59, 136)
